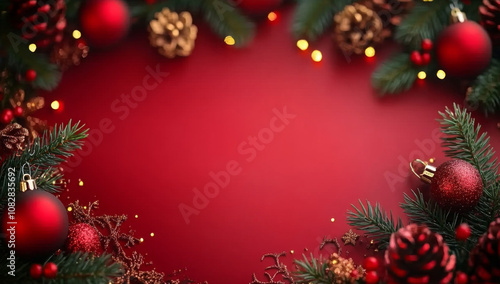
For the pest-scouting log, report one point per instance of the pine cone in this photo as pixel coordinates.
(391, 12)
(485, 257)
(417, 255)
(69, 52)
(173, 34)
(356, 28)
(40, 21)
(490, 19)
(12, 138)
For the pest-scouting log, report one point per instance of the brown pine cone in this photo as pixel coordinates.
(490, 19)
(356, 28)
(40, 21)
(485, 257)
(69, 52)
(12, 138)
(417, 255)
(391, 12)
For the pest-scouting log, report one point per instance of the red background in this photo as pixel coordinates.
(339, 148)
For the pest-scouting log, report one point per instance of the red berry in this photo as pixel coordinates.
(36, 271)
(416, 58)
(370, 263)
(461, 278)
(50, 270)
(427, 44)
(371, 277)
(30, 75)
(6, 116)
(462, 232)
(354, 274)
(426, 58)
(18, 111)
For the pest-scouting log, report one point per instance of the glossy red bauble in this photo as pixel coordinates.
(257, 6)
(464, 49)
(104, 22)
(41, 224)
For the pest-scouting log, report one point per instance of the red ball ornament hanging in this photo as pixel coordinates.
(83, 237)
(6, 116)
(104, 22)
(257, 7)
(50, 270)
(41, 224)
(464, 48)
(455, 185)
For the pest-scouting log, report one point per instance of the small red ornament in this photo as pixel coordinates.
(82, 237)
(50, 270)
(30, 75)
(427, 45)
(455, 185)
(370, 263)
(371, 277)
(42, 224)
(464, 49)
(416, 58)
(18, 111)
(36, 271)
(257, 6)
(426, 58)
(6, 116)
(462, 233)
(461, 278)
(104, 22)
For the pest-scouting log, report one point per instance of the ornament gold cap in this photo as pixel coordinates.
(457, 16)
(427, 174)
(27, 183)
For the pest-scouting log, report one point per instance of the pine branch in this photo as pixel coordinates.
(485, 92)
(76, 268)
(425, 20)
(45, 153)
(437, 219)
(313, 17)
(395, 75)
(375, 222)
(464, 141)
(314, 271)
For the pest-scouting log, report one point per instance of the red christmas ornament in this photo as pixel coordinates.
(426, 58)
(455, 184)
(42, 224)
(462, 233)
(416, 58)
(18, 111)
(371, 277)
(104, 22)
(50, 270)
(82, 237)
(461, 278)
(257, 6)
(6, 116)
(370, 263)
(36, 271)
(464, 48)
(30, 75)
(427, 45)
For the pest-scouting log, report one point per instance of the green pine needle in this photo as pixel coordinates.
(485, 92)
(425, 20)
(313, 271)
(374, 221)
(313, 17)
(395, 75)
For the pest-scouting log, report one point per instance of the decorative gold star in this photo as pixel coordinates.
(350, 238)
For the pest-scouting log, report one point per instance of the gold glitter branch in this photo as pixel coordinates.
(280, 270)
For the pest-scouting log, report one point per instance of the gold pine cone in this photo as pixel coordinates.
(356, 28)
(173, 34)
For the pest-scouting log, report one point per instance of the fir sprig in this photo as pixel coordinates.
(485, 92)
(374, 221)
(313, 271)
(313, 17)
(44, 154)
(395, 75)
